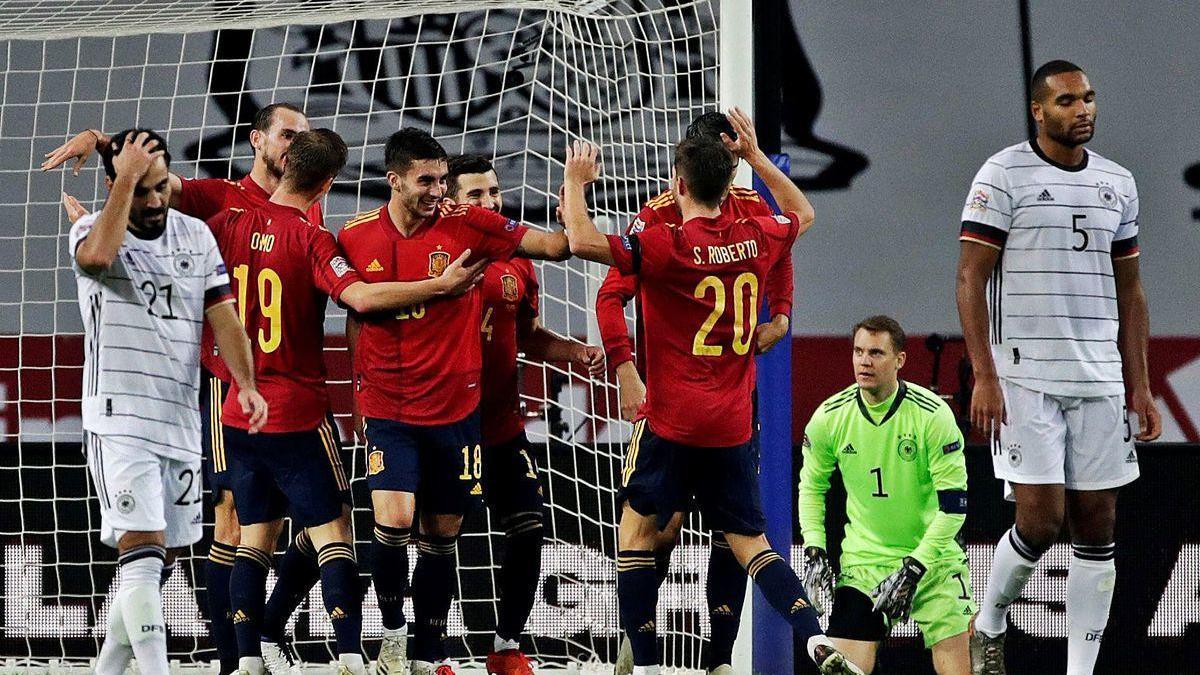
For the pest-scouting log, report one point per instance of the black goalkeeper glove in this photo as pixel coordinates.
(894, 595)
(818, 578)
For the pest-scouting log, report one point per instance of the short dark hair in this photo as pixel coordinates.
(881, 323)
(410, 145)
(703, 164)
(1037, 84)
(463, 164)
(711, 124)
(266, 115)
(314, 157)
(118, 141)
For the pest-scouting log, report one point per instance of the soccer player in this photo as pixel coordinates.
(1059, 337)
(699, 287)
(512, 490)
(148, 277)
(725, 591)
(284, 266)
(900, 454)
(417, 385)
(274, 127)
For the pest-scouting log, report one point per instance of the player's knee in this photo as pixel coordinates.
(526, 526)
(393, 509)
(441, 524)
(636, 532)
(1040, 530)
(260, 536)
(133, 539)
(1095, 530)
(226, 528)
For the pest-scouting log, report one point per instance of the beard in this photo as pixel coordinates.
(272, 165)
(1072, 139)
(143, 227)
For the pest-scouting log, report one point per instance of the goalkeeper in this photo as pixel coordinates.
(900, 454)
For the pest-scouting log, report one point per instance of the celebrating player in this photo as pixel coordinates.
(417, 385)
(274, 127)
(900, 454)
(1050, 230)
(693, 441)
(726, 582)
(511, 487)
(148, 277)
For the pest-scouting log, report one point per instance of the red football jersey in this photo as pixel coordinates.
(421, 365)
(510, 304)
(617, 289)
(700, 298)
(282, 267)
(204, 198)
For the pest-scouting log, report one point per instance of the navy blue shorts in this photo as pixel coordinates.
(510, 478)
(212, 441)
(442, 464)
(661, 477)
(298, 474)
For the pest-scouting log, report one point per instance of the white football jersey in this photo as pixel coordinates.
(141, 320)
(1052, 300)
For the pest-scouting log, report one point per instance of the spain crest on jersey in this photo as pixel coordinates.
(438, 262)
(508, 287)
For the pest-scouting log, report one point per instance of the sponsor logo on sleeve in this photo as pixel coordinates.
(340, 267)
(221, 268)
(637, 226)
(626, 242)
(782, 219)
(510, 225)
(979, 201)
(951, 447)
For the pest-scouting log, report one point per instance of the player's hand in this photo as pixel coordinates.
(591, 358)
(1149, 421)
(459, 277)
(818, 579)
(987, 407)
(79, 148)
(583, 163)
(360, 431)
(894, 595)
(767, 335)
(255, 407)
(558, 214)
(746, 144)
(631, 389)
(136, 157)
(74, 209)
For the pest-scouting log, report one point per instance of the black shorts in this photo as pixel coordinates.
(441, 464)
(212, 440)
(854, 617)
(661, 477)
(510, 479)
(298, 473)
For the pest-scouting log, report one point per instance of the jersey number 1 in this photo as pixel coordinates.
(270, 300)
(742, 337)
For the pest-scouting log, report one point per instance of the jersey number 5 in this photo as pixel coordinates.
(742, 308)
(270, 300)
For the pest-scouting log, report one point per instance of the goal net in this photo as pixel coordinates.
(516, 83)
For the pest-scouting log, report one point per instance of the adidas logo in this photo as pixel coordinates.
(723, 610)
(798, 605)
(337, 613)
(647, 627)
(375, 266)
(477, 490)
(1045, 196)
(1131, 458)
(849, 449)
(240, 616)
(967, 610)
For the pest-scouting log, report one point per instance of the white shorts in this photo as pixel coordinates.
(140, 491)
(1081, 443)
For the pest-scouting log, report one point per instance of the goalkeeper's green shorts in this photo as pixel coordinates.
(943, 606)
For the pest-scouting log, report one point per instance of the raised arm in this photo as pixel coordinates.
(234, 347)
(81, 146)
(1133, 341)
(99, 248)
(787, 195)
(541, 245)
(582, 167)
(975, 264)
(542, 344)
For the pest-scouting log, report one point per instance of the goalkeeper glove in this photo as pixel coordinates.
(894, 595)
(818, 578)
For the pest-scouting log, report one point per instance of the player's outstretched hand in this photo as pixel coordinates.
(74, 209)
(591, 358)
(583, 163)
(767, 335)
(136, 156)
(79, 148)
(254, 406)
(631, 389)
(746, 144)
(1149, 419)
(987, 407)
(459, 277)
(818, 578)
(894, 595)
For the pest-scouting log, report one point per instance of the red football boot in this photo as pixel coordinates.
(508, 662)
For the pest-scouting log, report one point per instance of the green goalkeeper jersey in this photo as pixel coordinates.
(905, 475)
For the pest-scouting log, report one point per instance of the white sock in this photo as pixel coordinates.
(353, 662)
(252, 664)
(499, 644)
(115, 653)
(816, 641)
(398, 633)
(1012, 563)
(1090, 581)
(140, 603)
(645, 670)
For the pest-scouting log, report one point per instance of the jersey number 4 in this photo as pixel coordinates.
(743, 307)
(270, 304)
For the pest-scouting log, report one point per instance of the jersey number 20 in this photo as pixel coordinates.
(270, 300)
(743, 308)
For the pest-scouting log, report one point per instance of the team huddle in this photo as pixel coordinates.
(215, 291)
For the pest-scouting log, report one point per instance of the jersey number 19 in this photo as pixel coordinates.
(270, 301)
